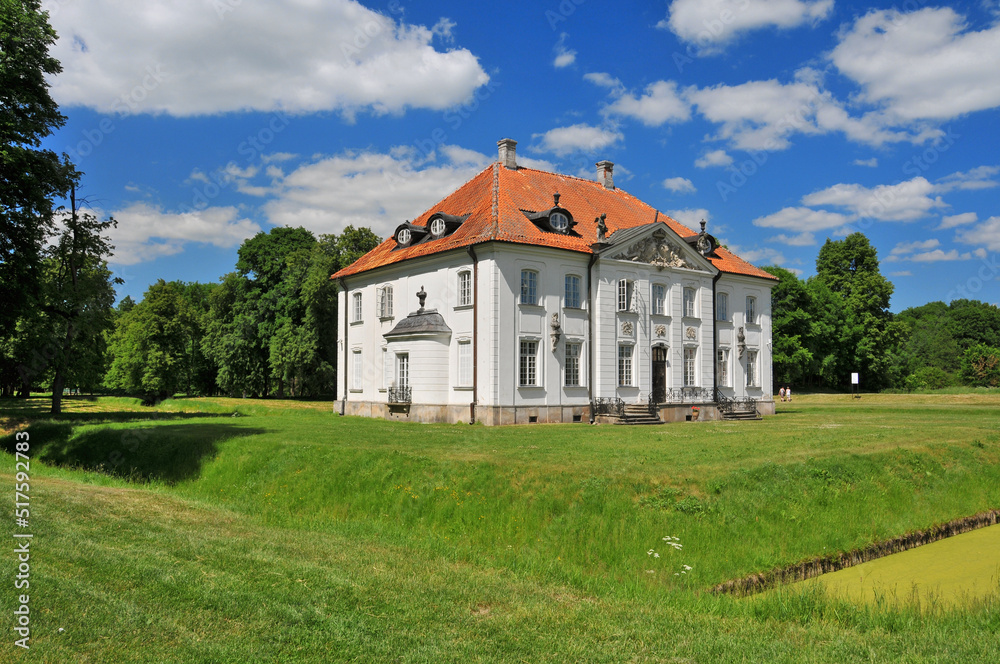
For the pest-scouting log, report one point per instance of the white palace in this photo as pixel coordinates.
(527, 296)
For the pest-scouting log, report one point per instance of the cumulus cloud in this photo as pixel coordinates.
(905, 201)
(870, 163)
(713, 158)
(190, 57)
(803, 219)
(603, 80)
(986, 234)
(564, 56)
(958, 220)
(713, 23)
(976, 178)
(562, 141)
(921, 65)
(805, 239)
(146, 232)
(766, 255)
(658, 104)
(366, 188)
(691, 217)
(679, 185)
(919, 245)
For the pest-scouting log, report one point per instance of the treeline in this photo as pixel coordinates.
(268, 328)
(838, 322)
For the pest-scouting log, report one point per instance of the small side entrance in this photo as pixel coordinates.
(658, 394)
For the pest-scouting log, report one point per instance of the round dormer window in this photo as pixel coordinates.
(437, 227)
(559, 221)
(403, 236)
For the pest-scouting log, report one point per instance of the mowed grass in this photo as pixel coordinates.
(286, 533)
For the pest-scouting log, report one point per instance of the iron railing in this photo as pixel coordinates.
(400, 394)
(688, 395)
(609, 406)
(727, 404)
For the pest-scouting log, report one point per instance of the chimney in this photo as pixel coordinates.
(604, 169)
(508, 152)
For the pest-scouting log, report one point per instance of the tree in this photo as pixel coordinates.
(981, 366)
(31, 177)
(791, 320)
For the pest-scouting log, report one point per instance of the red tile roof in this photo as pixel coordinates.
(494, 200)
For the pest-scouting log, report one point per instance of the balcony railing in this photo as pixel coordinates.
(689, 395)
(400, 394)
(609, 406)
(733, 405)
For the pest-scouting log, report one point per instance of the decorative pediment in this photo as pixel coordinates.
(657, 250)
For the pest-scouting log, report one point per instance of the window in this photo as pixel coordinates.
(558, 221)
(464, 288)
(357, 307)
(753, 377)
(529, 287)
(465, 363)
(690, 367)
(689, 302)
(402, 370)
(403, 237)
(527, 366)
(722, 367)
(625, 294)
(722, 307)
(572, 291)
(572, 364)
(625, 365)
(659, 299)
(751, 309)
(385, 302)
(437, 227)
(357, 370)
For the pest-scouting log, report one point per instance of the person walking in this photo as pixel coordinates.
(781, 393)
(788, 393)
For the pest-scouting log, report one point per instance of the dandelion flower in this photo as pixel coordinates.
(656, 555)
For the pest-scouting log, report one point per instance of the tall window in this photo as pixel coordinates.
(464, 288)
(625, 365)
(753, 376)
(527, 365)
(625, 294)
(402, 370)
(465, 363)
(751, 309)
(357, 307)
(357, 370)
(689, 302)
(722, 367)
(572, 364)
(659, 299)
(690, 367)
(385, 302)
(572, 291)
(529, 287)
(722, 307)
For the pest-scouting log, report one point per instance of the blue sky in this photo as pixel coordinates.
(199, 123)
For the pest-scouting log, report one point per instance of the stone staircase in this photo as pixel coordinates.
(638, 413)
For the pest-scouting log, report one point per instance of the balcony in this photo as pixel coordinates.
(400, 395)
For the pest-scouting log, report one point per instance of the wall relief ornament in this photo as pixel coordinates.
(627, 328)
(556, 331)
(660, 330)
(741, 338)
(691, 333)
(656, 251)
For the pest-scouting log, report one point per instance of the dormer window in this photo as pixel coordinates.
(403, 237)
(437, 227)
(559, 221)
(556, 219)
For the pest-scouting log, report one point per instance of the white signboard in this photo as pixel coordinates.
(854, 379)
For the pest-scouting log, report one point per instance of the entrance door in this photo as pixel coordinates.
(659, 391)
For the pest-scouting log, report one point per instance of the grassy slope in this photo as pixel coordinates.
(288, 533)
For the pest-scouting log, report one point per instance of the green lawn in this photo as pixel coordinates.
(285, 533)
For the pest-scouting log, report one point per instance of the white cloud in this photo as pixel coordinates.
(940, 255)
(713, 23)
(679, 185)
(562, 141)
(986, 234)
(538, 164)
(922, 64)
(911, 247)
(190, 57)
(443, 29)
(870, 163)
(958, 220)
(603, 80)
(803, 219)
(976, 178)
(691, 217)
(713, 158)
(905, 201)
(760, 256)
(659, 103)
(370, 189)
(805, 239)
(564, 56)
(145, 232)
(901, 273)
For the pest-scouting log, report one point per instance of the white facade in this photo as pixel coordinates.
(548, 332)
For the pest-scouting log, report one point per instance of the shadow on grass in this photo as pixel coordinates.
(170, 453)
